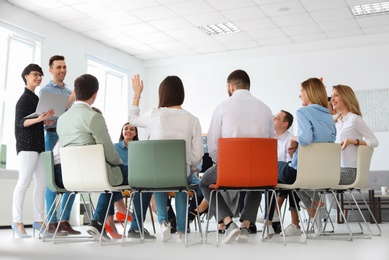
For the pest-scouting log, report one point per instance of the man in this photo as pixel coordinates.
(58, 69)
(283, 120)
(242, 115)
(81, 125)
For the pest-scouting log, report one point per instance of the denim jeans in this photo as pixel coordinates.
(146, 197)
(181, 201)
(102, 203)
(50, 197)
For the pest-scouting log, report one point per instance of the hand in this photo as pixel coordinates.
(292, 147)
(137, 85)
(46, 115)
(345, 143)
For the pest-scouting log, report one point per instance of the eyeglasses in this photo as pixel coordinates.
(36, 74)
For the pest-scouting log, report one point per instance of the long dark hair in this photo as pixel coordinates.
(171, 92)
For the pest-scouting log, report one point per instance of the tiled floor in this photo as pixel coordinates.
(376, 248)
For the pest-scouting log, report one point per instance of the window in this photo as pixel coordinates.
(17, 50)
(112, 98)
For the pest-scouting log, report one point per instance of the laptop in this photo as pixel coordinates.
(49, 100)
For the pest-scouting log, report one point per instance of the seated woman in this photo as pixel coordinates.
(170, 121)
(315, 125)
(351, 130)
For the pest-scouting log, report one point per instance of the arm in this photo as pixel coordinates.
(137, 85)
(305, 130)
(197, 149)
(214, 133)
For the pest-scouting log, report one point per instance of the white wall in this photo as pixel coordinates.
(59, 40)
(276, 75)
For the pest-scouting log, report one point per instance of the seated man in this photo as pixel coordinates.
(81, 125)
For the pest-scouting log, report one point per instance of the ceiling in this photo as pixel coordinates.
(156, 29)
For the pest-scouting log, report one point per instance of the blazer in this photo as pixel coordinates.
(81, 125)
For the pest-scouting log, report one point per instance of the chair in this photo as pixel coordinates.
(364, 156)
(244, 164)
(84, 170)
(159, 165)
(48, 162)
(318, 170)
(3, 156)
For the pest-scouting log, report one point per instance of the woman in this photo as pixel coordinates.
(29, 136)
(170, 121)
(127, 134)
(315, 125)
(352, 131)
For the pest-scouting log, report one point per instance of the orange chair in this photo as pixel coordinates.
(245, 164)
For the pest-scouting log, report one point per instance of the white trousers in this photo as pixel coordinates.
(30, 166)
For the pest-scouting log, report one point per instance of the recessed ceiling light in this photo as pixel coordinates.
(221, 28)
(370, 9)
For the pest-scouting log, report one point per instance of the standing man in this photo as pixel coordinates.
(242, 115)
(58, 69)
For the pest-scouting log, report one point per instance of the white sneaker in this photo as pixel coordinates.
(317, 226)
(180, 237)
(261, 218)
(292, 230)
(166, 235)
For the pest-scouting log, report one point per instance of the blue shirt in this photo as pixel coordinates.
(315, 125)
(122, 150)
(53, 87)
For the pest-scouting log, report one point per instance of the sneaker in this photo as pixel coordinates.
(136, 234)
(95, 229)
(166, 235)
(266, 234)
(243, 236)
(261, 218)
(231, 233)
(180, 237)
(292, 230)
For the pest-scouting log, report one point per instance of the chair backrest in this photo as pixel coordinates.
(3, 156)
(247, 162)
(318, 166)
(157, 164)
(363, 166)
(48, 163)
(83, 168)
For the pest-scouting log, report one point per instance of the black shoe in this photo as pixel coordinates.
(277, 227)
(95, 228)
(173, 226)
(252, 228)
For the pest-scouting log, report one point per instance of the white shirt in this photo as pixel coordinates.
(241, 115)
(283, 142)
(170, 123)
(353, 127)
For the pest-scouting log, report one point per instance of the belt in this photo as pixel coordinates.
(51, 129)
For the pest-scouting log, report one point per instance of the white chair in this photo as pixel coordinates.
(318, 170)
(84, 170)
(363, 170)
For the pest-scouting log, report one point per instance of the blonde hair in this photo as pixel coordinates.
(316, 91)
(349, 99)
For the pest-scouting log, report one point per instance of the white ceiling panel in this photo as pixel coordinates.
(154, 29)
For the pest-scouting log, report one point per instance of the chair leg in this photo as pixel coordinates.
(152, 217)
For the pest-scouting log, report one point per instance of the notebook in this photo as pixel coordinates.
(49, 100)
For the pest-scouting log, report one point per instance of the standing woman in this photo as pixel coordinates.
(29, 136)
(352, 131)
(170, 121)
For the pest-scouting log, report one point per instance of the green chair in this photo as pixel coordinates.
(159, 165)
(3, 156)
